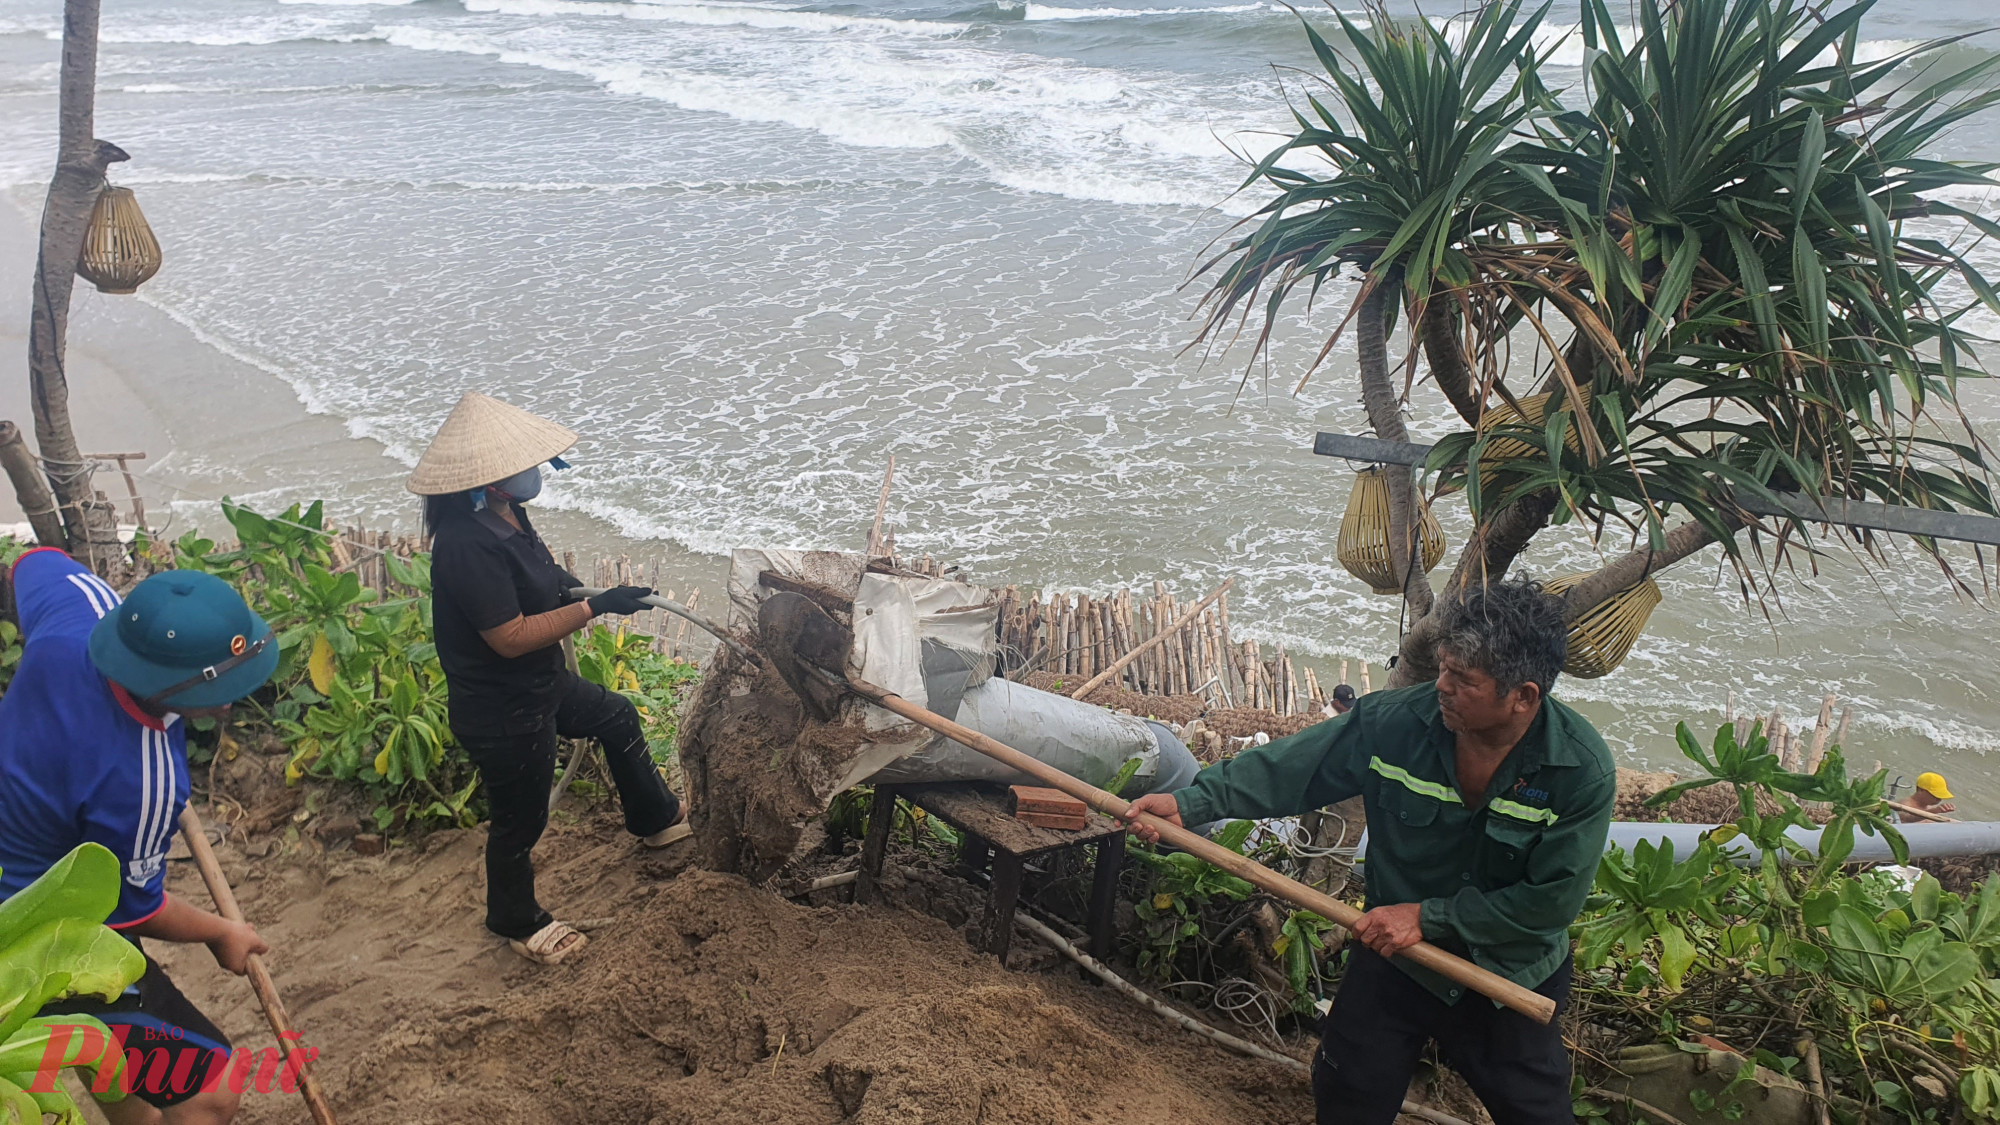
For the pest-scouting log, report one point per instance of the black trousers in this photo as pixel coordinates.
(1380, 1021)
(519, 769)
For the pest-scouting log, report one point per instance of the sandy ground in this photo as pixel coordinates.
(699, 999)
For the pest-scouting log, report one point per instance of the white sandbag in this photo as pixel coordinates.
(1084, 741)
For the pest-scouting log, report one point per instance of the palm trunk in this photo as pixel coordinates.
(1385, 415)
(90, 528)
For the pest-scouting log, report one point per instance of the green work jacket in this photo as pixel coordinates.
(1500, 877)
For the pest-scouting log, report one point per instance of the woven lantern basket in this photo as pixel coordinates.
(1600, 639)
(1363, 547)
(1534, 414)
(119, 250)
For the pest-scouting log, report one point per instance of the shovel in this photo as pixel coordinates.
(809, 649)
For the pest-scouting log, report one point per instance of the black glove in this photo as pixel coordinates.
(621, 600)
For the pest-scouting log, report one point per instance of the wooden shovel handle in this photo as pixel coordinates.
(260, 977)
(1492, 985)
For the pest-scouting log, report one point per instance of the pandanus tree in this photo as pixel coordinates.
(1715, 255)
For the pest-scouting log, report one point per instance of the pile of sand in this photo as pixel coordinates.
(701, 999)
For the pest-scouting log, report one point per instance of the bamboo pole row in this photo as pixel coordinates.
(1795, 749)
(1078, 636)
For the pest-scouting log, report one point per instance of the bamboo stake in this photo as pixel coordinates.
(877, 546)
(1154, 640)
(1365, 686)
(1820, 730)
(260, 977)
(1526, 1001)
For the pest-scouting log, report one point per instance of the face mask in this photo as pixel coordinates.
(522, 486)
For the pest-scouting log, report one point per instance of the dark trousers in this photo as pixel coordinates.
(1380, 1021)
(519, 769)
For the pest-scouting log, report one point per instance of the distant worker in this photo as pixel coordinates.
(1488, 806)
(1931, 795)
(93, 748)
(501, 607)
(1343, 699)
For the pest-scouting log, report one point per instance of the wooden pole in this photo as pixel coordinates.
(260, 977)
(1138, 650)
(877, 546)
(1924, 813)
(30, 489)
(1821, 730)
(1489, 984)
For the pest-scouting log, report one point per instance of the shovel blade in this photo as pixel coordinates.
(802, 641)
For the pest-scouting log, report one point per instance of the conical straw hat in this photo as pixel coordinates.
(485, 440)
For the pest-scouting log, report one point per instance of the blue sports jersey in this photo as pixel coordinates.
(78, 759)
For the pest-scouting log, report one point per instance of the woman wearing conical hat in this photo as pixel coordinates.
(500, 607)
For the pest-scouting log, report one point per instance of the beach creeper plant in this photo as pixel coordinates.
(1893, 980)
(54, 944)
(1721, 255)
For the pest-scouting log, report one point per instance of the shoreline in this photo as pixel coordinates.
(142, 380)
(131, 370)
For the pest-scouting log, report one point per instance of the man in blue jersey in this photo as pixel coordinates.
(93, 747)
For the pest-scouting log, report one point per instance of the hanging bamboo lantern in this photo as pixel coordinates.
(1601, 638)
(119, 250)
(1533, 414)
(1363, 547)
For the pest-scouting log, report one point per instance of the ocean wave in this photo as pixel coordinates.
(746, 100)
(1034, 12)
(716, 15)
(198, 35)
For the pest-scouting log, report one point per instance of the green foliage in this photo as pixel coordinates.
(10, 653)
(1179, 890)
(1301, 942)
(1894, 980)
(54, 944)
(1712, 237)
(625, 662)
(1124, 777)
(358, 696)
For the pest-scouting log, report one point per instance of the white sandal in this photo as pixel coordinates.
(672, 834)
(551, 944)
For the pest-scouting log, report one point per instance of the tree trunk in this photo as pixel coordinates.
(90, 528)
(29, 487)
(1385, 415)
(1487, 557)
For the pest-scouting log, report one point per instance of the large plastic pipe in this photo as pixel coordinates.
(1927, 841)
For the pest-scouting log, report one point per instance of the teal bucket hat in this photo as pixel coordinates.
(184, 640)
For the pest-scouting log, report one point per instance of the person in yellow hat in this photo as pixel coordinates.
(1931, 795)
(500, 608)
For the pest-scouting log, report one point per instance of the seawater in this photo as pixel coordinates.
(752, 249)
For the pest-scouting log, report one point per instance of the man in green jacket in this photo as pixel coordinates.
(1488, 806)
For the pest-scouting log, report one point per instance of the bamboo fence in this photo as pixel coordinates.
(1077, 635)
(1073, 635)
